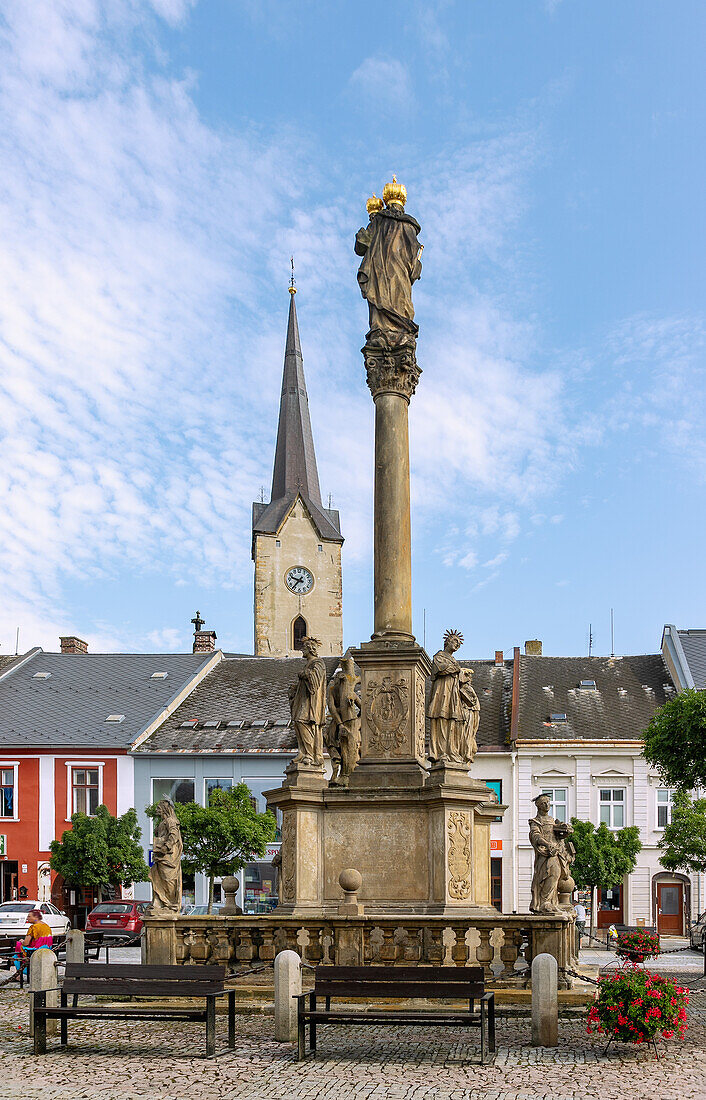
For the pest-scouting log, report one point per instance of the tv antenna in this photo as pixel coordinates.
(612, 634)
(590, 639)
(262, 494)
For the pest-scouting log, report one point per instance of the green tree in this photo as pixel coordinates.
(675, 740)
(100, 851)
(222, 837)
(603, 858)
(684, 841)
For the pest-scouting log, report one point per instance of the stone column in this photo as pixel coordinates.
(288, 984)
(392, 379)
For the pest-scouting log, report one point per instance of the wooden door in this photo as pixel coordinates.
(670, 907)
(610, 906)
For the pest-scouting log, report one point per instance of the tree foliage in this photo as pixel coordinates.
(100, 851)
(222, 837)
(684, 841)
(675, 740)
(603, 858)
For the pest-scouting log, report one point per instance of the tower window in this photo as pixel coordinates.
(298, 632)
(277, 542)
(321, 549)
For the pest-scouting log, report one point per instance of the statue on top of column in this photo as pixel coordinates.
(307, 701)
(342, 735)
(454, 708)
(391, 264)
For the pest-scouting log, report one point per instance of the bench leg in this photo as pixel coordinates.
(483, 1026)
(301, 1034)
(210, 1027)
(231, 1019)
(64, 1022)
(491, 1022)
(40, 1024)
(312, 1024)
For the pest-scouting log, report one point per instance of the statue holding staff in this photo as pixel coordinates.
(307, 701)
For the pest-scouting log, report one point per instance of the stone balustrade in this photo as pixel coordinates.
(503, 945)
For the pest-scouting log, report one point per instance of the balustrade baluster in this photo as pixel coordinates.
(484, 952)
(313, 952)
(373, 939)
(459, 950)
(267, 949)
(508, 954)
(245, 948)
(388, 949)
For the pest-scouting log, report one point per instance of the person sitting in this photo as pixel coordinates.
(38, 936)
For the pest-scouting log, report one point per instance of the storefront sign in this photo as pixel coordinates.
(271, 851)
(3, 844)
(496, 845)
(150, 858)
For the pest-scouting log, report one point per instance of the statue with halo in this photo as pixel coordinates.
(454, 709)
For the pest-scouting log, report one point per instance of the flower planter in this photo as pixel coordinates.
(634, 1006)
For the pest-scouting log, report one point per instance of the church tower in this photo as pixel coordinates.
(296, 542)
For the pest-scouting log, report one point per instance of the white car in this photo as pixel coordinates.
(13, 918)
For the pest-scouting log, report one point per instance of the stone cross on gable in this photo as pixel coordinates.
(198, 621)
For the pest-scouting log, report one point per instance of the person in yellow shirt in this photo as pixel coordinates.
(38, 935)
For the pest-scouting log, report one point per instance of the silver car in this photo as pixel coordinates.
(13, 918)
(698, 933)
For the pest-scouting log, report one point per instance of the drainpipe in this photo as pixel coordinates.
(514, 728)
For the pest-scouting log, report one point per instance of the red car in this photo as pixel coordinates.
(117, 918)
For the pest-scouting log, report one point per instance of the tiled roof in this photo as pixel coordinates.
(251, 692)
(248, 699)
(628, 691)
(694, 646)
(69, 707)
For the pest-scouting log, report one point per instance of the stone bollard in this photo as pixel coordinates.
(230, 885)
(75, 946)
(43, 975)
(545, 1001)
(288, 983)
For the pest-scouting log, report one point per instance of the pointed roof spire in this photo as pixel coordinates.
(295, 459)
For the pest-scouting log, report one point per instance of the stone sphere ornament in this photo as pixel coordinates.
(350, 880)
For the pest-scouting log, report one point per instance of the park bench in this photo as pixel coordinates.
(382, 982)
(167, 983)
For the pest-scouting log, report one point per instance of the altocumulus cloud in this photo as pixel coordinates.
(139, 382)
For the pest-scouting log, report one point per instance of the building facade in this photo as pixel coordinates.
(296, 541)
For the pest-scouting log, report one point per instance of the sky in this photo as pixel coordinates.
(159, 164)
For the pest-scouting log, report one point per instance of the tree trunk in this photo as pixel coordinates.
(593, 914)
(210, 895)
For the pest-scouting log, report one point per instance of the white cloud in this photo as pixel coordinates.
(382, 83)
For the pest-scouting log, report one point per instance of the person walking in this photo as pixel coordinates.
(580, 911)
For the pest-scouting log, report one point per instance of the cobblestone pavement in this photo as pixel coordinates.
(117, 1060)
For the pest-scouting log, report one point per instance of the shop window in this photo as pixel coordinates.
(259, 888)
(84, 791)
(177, 790)
(613, 807)
(496, 883)
(665, 800)
(557, 795)
(7, 792)
(216, 785)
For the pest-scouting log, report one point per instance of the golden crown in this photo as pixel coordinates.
(394, 192)
(373, 205)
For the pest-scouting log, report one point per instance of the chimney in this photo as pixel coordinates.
(72, 644)
(499, 657)
(533, 648)
(204, 640)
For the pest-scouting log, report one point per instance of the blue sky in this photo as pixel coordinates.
(159, 163)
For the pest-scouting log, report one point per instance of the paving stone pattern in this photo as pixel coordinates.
(123, 1060)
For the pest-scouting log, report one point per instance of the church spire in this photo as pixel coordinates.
(295, 459)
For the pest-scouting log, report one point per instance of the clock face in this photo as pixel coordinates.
(299, 580)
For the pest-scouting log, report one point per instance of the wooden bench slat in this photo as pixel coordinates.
(460, 1019)
(402, 973)
(129, 970)
(139, 1013)
(124, 987)
(398, 989)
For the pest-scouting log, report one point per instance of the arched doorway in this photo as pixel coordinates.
(299, 631)
(671, 900)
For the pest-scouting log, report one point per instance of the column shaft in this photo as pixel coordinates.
(393, 552)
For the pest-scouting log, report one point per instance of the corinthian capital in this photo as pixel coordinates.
(391, 370)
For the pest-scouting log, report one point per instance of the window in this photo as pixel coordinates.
(321, 549)
(496, 785)
(665, 798)
(298, 632)
(613, 807)
(216, 785)
(84, 791)
(277, 542)
(557, 808)
(178, 790)
(496, 882)
(7, 792)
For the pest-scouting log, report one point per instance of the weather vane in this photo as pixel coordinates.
(292, 281)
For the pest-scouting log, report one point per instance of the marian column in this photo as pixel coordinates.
(393, 667)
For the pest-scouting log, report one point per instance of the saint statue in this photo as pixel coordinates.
(553, 856)
(307, 701)
(391, 264)
(342, 734)
(454, 709)
(165, 872)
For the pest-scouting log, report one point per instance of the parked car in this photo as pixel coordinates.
(118, 918)
(698, 933)
(201, 910)
(13, 918)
